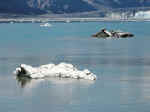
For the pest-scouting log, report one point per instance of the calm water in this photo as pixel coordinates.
(122, 67)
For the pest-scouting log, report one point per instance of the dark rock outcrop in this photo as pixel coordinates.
(112, 34)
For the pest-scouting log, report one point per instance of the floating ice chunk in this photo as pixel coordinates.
(62, 70)
(46, 25)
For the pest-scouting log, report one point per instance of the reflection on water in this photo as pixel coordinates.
(23, 81)
(56, 94)
(26, 82)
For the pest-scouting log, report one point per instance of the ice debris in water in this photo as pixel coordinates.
(62, 70)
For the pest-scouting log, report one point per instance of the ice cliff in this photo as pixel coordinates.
(143, 15)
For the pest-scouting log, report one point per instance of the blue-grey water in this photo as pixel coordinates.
(121, 65)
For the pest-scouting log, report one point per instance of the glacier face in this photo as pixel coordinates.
(62, 70)
(143, 14)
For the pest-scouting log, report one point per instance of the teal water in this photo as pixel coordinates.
(121, 65)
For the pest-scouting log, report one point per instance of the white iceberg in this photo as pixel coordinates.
(62, 70)
(46, 25)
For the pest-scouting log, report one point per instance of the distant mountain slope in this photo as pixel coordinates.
(66, 6)
(61, 6)
(17, 6)
(124, 3)
(43, 6)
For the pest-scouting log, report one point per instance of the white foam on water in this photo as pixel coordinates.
(62, 70)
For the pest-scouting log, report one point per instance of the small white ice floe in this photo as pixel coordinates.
(68, 21)
(62, 70)
(46, 25)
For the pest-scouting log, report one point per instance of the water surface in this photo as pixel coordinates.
(121, 65)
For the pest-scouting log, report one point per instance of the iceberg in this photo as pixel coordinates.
(62, 70)
(46, 25)
(113, 34)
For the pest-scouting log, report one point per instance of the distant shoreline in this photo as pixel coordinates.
(68, 20)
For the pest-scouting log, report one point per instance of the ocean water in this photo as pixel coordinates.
(122, 67)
